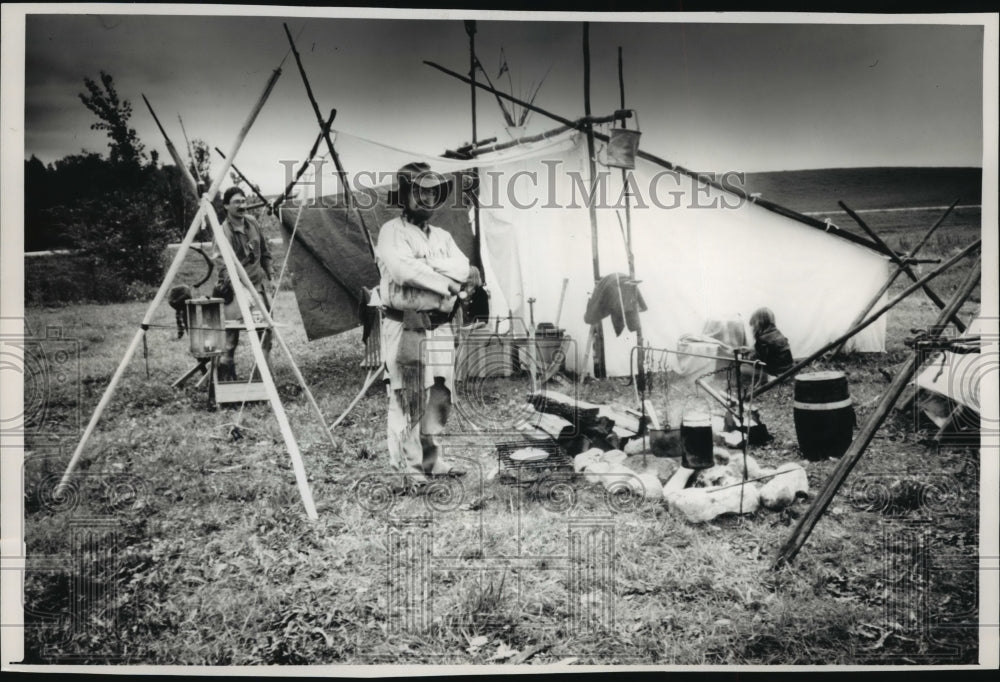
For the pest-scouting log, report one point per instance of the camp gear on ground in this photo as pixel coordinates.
(824, 414)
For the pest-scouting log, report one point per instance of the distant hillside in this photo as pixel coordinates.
(866, 188)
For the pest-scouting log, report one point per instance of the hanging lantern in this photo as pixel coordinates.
(623, 145)
(206, 327)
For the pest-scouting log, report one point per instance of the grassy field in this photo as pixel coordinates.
(181, 545)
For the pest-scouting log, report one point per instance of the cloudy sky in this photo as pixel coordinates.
(722, 96)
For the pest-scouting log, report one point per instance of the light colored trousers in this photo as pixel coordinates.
(416, 450)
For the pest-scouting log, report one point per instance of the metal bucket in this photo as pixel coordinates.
(622, 147)
(696, 436)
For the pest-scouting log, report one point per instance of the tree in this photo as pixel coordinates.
(201, 164)
(113, 115)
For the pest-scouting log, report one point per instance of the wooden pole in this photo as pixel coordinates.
(871, 318)
(168, 279)
(253, 188)
(630, 254)
(902, 264)
(348, 194)
(242, 299)
(305, 164)
(599, 366)
(663, 163)
(187, 142)
(896, 273)
(182, 167)
(801, 533)
(266, 314)
(477, 237)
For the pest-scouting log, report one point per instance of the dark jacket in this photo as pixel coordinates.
(618, 296)
(773, 350)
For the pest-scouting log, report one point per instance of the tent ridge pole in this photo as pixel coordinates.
(652, 158)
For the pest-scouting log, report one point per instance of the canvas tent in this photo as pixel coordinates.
(953, 379)
(701, 254)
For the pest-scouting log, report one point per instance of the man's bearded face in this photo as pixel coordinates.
(421, 202)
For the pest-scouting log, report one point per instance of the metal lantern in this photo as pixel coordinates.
(623, 145)
(206, 327)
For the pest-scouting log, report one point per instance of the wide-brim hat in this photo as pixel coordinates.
(420, 174)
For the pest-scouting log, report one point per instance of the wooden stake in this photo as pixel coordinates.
(902, 264)
(168, 279)
(805, 526)
(874, 316)
(892, 278)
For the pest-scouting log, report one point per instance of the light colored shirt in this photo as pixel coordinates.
(417, 265)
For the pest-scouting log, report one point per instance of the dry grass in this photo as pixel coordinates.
(208, 558)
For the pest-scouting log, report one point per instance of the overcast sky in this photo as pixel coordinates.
(748, 97)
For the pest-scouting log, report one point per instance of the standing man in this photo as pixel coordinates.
(250, 246)
(422, 271)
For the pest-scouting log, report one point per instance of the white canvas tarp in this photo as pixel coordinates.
(700, 254)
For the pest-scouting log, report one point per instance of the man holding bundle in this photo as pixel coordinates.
(422, 274)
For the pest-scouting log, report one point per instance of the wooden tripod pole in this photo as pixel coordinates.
(266, 313)
(902, 264)
(203, 210)
(242, 299)
(895, 275)
(808, 522)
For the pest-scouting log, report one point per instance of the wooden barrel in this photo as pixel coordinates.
(696, 437)
(824, 414)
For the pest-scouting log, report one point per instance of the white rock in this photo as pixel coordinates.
(617, 475)
(662, 467)
(593, 472)
(677, 481)
(790, 478)
(637, 446)
(704, 504)
(722, 455)
(736, 465)
(647, 486)
(613, 457)
(584, 459)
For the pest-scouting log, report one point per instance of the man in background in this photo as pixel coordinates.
(250, 246)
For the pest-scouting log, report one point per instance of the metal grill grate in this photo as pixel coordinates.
(557, 458)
